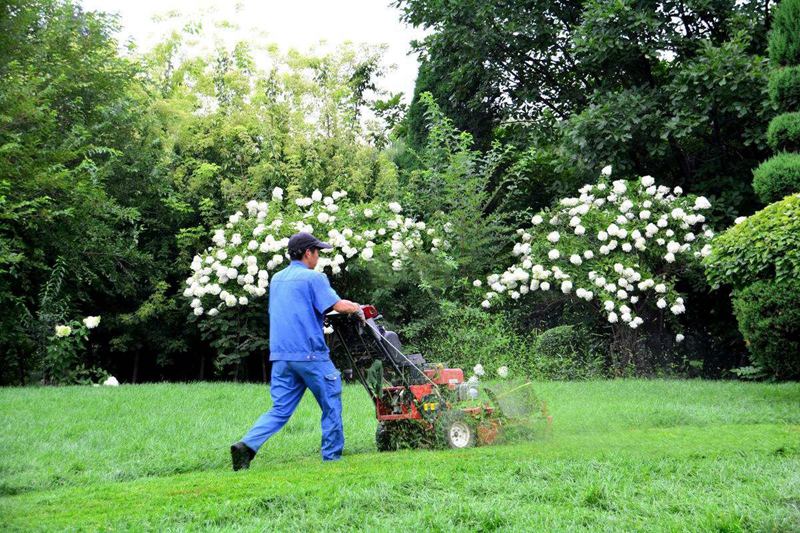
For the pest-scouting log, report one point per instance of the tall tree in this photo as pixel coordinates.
(668, 87)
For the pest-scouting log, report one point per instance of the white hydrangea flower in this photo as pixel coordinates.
(502, 372)
(63, 331)
(606, 170)
(478, 370)
(395, 207)
(91, 322)
(277, 194)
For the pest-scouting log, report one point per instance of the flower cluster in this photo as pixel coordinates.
(478, 372)
(90, 322)
(252, 245)
(618, 245)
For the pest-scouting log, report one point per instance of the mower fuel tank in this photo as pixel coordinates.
(446, 376)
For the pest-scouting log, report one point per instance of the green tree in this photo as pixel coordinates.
(67, 118)
(662, 87)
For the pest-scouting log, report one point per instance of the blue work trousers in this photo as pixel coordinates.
(290, 379)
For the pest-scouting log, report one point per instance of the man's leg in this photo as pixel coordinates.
(326, 383)
(286, 389)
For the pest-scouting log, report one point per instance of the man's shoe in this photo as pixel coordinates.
(241, 455)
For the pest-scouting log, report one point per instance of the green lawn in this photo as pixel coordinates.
(623, 455)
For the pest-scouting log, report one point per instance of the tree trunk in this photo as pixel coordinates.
(136, 357)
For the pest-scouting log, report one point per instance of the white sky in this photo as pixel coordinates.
(300, 24)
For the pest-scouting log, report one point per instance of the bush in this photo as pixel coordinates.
(784, 88)
(462, 336)
(765, 246)
(784, 39)
(783, 133)
(565, 352)
(777, 177)
(769, 318)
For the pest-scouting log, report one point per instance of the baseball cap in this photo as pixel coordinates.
(303, 241)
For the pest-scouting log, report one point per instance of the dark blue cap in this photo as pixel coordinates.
(302, 241)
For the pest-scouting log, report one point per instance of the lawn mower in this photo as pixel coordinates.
(419, 404)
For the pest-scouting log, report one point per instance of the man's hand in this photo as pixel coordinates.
(348, 307)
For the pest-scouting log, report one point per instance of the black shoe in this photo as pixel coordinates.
(241, 455)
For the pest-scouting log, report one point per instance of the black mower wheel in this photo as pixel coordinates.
(455, 430)
(383, 437)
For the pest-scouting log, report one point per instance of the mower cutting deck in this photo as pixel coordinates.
(416, 403)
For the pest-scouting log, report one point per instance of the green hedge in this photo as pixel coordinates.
(784, 88)
(565, 352)
(769, 318)
(777, 177)
(784, 39)
(783, 133)
(765, 246)
(461, 336)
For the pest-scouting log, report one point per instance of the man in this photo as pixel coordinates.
(299, 297)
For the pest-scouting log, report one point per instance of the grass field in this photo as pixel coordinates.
(623, 455)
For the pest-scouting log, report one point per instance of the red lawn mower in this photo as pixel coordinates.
(418, 404)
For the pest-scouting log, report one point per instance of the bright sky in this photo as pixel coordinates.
(300, 24)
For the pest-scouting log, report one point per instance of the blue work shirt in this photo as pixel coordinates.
(298, 299)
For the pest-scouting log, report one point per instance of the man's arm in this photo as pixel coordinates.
(346, 307)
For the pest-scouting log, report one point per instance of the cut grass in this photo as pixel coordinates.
(623, 455)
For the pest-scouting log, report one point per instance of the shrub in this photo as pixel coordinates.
(777, 176)
(764, 246)
(784, 39)
(620, 247)
(769, 318)
(760, 258)
(564, 352)
(783, 133)
(784, 88)
(462, 336)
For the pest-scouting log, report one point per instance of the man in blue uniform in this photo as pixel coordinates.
(299, 297)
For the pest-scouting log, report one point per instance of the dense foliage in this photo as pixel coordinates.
(763, 246)
(758, 258)
(777, 176)
(769, 319)
(666, 88)
(120, 169)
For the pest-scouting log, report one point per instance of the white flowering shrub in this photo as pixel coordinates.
(620, 245)
(252, 245)
(64, 352)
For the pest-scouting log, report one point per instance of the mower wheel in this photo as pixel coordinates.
(383, 437)
(455, 430)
